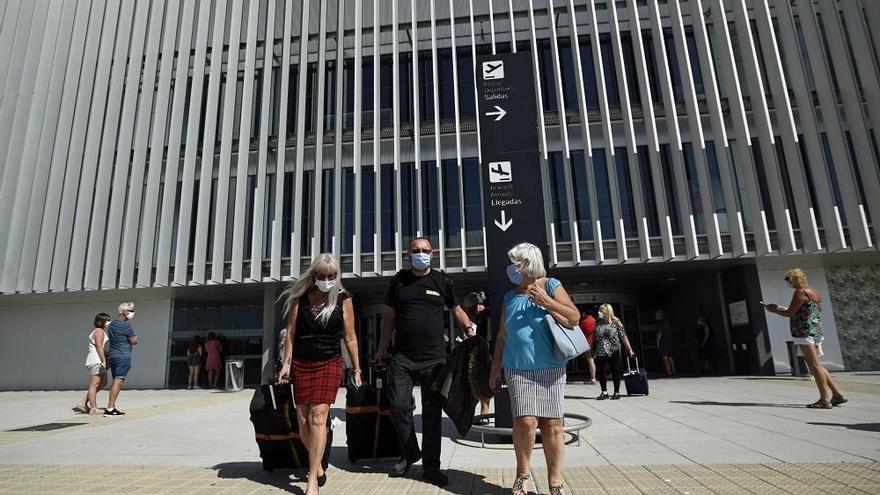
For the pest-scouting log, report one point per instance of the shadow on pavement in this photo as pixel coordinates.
(460, 482)
(875, 427)
(253, 471)
(736, 404)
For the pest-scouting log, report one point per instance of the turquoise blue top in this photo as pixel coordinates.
(527, 345)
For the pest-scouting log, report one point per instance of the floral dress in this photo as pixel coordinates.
(807, 322)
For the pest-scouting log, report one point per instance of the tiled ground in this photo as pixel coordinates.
(748, 435)
(248, 478)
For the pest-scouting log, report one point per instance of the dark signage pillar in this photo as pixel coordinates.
(513, 199)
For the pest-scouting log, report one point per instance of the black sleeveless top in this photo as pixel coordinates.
(312, 341)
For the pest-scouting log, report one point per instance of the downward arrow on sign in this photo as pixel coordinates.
(505, 223)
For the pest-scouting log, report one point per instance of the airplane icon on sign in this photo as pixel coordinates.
(500, 172)
(493, 70)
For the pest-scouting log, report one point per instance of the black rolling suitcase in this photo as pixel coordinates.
(635, 379)
(368, 421)
(277, 431)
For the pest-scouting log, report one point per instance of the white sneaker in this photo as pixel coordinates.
(809, 378)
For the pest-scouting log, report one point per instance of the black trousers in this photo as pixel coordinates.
(616, 371)
(403, 374)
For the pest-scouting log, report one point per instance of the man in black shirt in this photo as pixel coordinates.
(415, 300)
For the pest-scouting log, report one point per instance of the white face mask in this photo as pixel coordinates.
(325, 285)
(601, 315)
(130, 315)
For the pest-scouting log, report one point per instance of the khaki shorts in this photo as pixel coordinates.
(96, 369)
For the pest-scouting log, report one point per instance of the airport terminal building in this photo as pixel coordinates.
(192, 156)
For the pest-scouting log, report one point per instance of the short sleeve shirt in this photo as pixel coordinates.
(607, 338)
(118, 333)
(528, 345)
(418, 304)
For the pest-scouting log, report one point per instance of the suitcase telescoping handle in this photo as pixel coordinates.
(272, 394)
(627, 364)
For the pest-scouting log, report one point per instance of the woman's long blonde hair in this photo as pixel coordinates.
(325, 263)
(607, 313)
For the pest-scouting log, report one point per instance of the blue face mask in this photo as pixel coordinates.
(420, 261)
(516, 278)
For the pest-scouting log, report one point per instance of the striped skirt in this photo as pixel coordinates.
(538, 393)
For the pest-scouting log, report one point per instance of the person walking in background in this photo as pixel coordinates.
(96, 363)
(474, 306)
(121, 339)
(415, 301)
(194, 353)
(610, 337)
(703, 335)
(805, 324)
(587, 325)
(319, 314)
(664, 342)
(535, 378)
(214, 349)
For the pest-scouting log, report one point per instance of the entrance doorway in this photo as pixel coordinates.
(625, 308)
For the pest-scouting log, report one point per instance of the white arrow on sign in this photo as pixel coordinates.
(505, 223)
(498, 114)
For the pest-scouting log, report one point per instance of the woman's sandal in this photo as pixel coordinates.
(819, 404)
(519, 485)
(556, 490)
(836, 401)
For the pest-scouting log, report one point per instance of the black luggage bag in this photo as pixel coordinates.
(368, 429)
(277, 431)
(635, 379)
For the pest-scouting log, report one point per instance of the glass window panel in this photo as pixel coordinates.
(603, 194)
(694, 56)
(330, 96)
(451, 208)
(569, 78)
(610, 70)
(672, 60)
(624, 186)
(349, 89)
(466, 102)
(811, 185)
(629, 58)
(430, 200)
(445, 83)
(406, 87)
(581, 195)
(548, 86)
(473, 212)
(694, 192)
(287, 215)
(368, 208)
(558, 198)
(589, 73)
(762, 183)
(669, 183)
(387, 88)
(389, 223)
(786, 183)
(717, 191)
(292, 99)
(426, 86)
(649, 200)
(348, 210)
(651, 63)
(328, 210)
(305, 230)
(311, 97)
(408, 198)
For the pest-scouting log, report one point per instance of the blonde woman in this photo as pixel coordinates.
(608, 338)
(536, 379)
(319, 313)
(805, 323)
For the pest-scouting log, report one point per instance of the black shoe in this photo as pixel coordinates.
(602, 396)
(435, 478)
(616, 396)
(322, 480)
(403, 466)
(113, 412)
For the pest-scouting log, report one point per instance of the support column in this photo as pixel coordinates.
(271, 325)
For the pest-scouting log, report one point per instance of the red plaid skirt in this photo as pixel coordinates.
(316, 382)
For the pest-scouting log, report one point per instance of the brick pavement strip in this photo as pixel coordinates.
(753, 479)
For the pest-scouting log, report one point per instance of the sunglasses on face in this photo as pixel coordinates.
(420, 251)
(325, 277)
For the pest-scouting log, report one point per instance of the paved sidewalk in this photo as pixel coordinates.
(691, 435)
